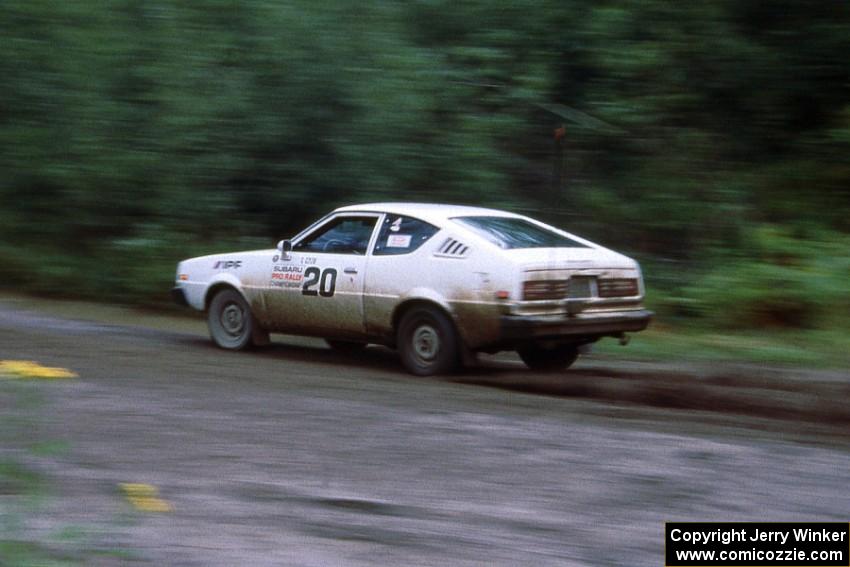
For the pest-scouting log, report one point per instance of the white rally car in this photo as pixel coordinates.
(436, 282)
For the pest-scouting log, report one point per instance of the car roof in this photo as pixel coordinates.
(430, 212)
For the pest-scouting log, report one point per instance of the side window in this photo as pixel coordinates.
(342, 235)
(402, 235)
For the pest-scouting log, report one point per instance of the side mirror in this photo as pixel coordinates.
(284, 247)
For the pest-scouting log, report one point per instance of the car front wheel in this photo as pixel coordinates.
(548, 359)
(427, 342)
(230, 321)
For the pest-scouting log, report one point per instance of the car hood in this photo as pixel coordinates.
(229, 255)
(200, 266)
(570, 258)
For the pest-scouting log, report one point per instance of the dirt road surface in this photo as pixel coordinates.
(297, 455)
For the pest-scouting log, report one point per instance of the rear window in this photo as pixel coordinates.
(510, 233)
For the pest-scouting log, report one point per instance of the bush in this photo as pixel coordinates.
(782, 279)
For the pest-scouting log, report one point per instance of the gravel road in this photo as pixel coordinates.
(298, 455)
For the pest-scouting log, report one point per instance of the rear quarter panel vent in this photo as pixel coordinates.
(452, 248)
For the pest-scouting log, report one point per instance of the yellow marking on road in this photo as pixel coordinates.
(144, 497)
(30, 369)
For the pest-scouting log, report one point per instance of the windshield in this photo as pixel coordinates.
(510, 233)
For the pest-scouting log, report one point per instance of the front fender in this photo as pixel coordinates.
(219, 280)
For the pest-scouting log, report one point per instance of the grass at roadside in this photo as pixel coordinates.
(16, 480)
(23, 490)
(809, 348)
(25, 554)
(26, 493)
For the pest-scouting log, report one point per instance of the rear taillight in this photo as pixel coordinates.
(539, 290)
(617, 287)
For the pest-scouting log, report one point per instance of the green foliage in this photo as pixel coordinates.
(139, 132)
(17, 480)
(778, 280)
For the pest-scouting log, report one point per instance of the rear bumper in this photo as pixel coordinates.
(517, 328)
(178, 296)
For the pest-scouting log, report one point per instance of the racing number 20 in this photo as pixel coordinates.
(326, 280)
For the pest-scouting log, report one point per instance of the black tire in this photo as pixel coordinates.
(345, 346)
(548, 359)
(427, 342)
(231, 323)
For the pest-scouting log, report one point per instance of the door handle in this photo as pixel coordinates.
(350, 270)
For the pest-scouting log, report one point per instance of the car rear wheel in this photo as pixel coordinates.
(548, 359)
(230, 321)
(427, 342)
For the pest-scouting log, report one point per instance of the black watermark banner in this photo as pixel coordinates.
(757, 544)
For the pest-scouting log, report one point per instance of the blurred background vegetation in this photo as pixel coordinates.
(707, 139)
